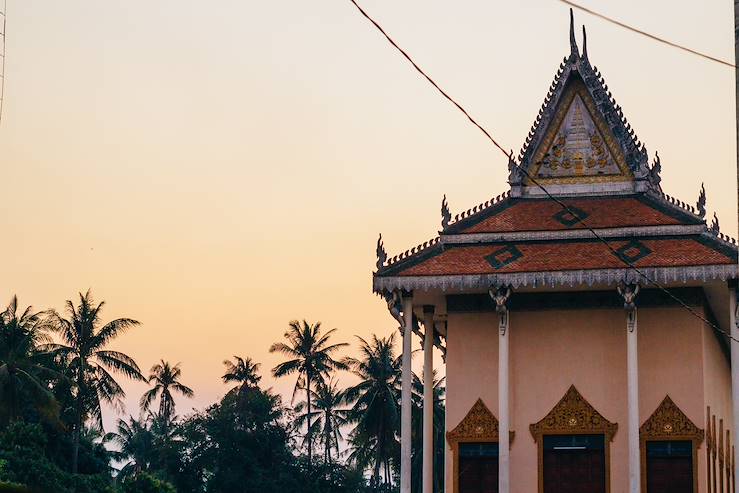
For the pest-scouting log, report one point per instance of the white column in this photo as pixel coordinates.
(500, 296)
(405, 398)
(632, 369)
(734, 345)
(504, 425)
(428, 400)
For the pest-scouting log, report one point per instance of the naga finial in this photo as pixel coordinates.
(514, 170)
(701, 205)
(446, 216)
(381, 253)
(654, 173)
(584, 43)
(715, 228)
(574, 52)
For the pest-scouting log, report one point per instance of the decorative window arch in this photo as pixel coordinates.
(573, 415)
(478, 426)
(668, 423)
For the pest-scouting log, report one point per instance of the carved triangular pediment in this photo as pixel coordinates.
(578, 145)
(573, 415)
(668, 422)
(479, 425)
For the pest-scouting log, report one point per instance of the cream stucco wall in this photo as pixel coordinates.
(553, 349)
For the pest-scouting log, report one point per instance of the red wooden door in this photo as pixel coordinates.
(478, 468)
(574, 464)
(670, 467)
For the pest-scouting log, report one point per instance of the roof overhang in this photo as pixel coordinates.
(573, 279)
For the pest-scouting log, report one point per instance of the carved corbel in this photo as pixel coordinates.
(629, 293)
(500, 296)
(440, 326)
(395, 307)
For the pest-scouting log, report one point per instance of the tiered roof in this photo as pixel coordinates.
(582, 151)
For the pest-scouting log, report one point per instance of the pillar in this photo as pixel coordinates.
(405, 397)
(428, 399)
(500, 296)
(629, 292)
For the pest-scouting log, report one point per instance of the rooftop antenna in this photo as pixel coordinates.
(3, 16)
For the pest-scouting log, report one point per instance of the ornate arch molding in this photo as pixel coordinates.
(478, 426)
(573, 415)
(666, 423)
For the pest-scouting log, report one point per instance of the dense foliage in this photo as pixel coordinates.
(59, 374)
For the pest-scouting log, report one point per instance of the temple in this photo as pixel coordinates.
(553, 382)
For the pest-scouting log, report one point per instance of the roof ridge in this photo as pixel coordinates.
(412, 252)
(476, 210)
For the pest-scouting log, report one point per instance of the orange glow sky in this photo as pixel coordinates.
(216, 169)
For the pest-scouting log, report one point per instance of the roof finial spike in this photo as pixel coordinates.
(446, 216)
(381, 253)
(584, 43)
(574, 52)
(702, 202)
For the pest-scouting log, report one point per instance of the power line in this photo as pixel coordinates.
(539, 185)
(646, 34)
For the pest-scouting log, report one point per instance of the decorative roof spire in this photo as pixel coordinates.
(446, 216)
(574, 52)
(654, 177)
(701, 205)
(584, 43)
(715, 228)
(381, 253)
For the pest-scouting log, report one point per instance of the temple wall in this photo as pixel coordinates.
(553, 349)
(717, 388)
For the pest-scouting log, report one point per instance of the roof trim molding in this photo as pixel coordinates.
(565, 234)
(572, 278)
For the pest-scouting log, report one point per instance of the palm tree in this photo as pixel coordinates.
(327, 419)
(311, 358)
(23, 365)
(376, 409)
(85, 339)
(166, 380)
(243, 372)
(135, 441)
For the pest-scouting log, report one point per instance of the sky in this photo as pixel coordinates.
(217, 169)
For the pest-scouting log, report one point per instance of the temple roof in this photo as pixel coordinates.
(584, 153)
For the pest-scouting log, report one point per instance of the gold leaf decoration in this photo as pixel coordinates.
(668, 422)
(479, 425)
(573, 415)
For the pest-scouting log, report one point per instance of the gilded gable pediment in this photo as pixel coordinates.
(573, 415)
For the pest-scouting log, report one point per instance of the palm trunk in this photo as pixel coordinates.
(310, 441)
(78, 419)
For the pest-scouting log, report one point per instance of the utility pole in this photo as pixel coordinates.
(734, 310)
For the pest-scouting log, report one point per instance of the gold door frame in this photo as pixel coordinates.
(669, 423)
(478, 426)
(573, 415)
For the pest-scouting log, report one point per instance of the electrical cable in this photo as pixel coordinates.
(643, 33)
(539, 185)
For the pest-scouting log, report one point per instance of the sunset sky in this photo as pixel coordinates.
(216, 169)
